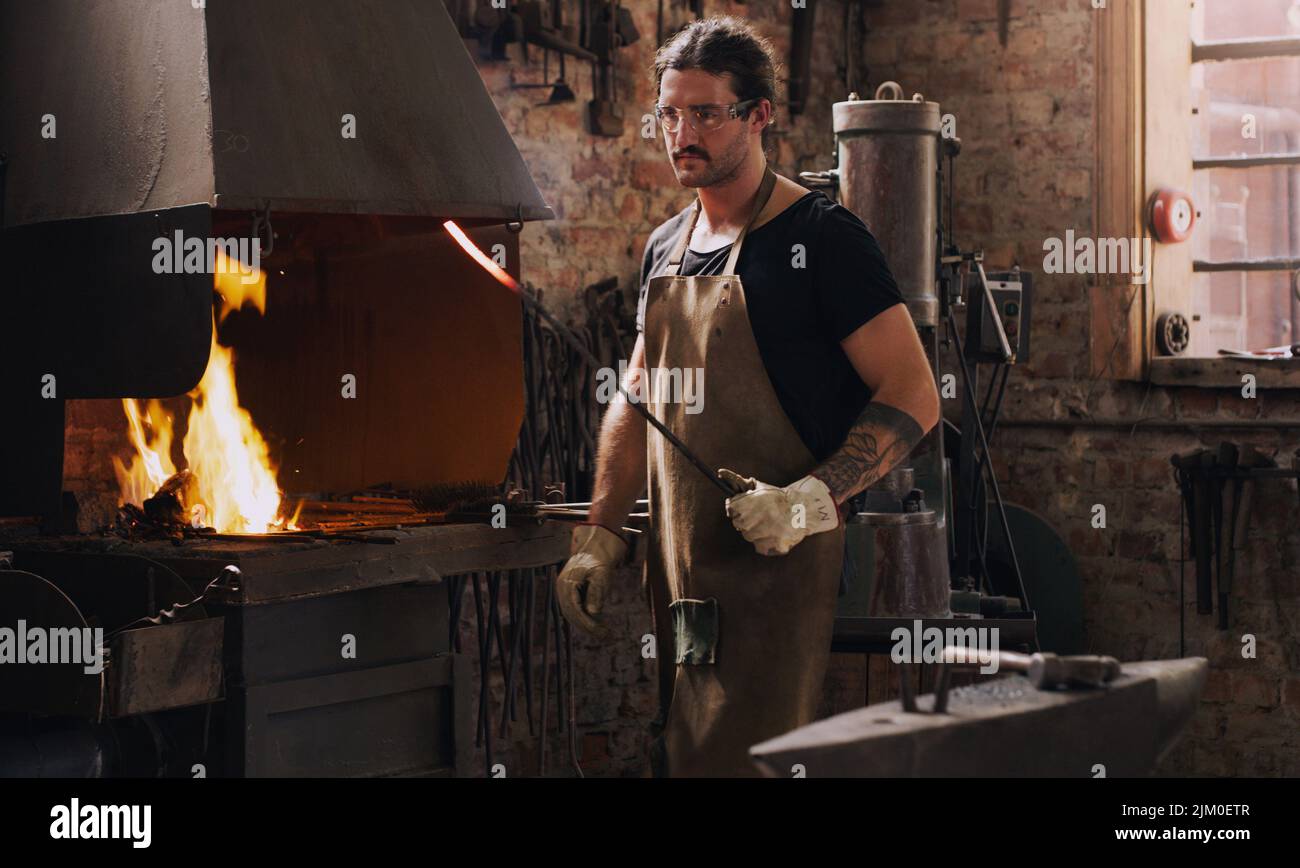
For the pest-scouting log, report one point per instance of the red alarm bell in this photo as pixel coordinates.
(1172, 215)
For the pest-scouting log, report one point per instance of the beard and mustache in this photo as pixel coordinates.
(715, 170)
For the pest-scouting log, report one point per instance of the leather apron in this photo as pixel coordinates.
(743, 639)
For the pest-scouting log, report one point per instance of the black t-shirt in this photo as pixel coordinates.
(802, 303)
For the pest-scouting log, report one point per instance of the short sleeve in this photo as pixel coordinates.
(647, 263)
(851, 277)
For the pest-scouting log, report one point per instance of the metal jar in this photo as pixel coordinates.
(888, 153)
(900, 561)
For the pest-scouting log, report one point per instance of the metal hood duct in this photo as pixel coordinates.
(332, 106)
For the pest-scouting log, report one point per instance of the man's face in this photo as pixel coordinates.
(705, 158)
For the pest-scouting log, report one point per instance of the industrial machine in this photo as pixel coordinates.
(917, 543)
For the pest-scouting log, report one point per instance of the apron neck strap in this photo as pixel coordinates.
(679, 252)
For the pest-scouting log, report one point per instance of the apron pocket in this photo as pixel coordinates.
(695, 630)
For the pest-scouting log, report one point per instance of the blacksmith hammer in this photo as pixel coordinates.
(1045, 670)
(1195, 468)
(1239, 530)
(1203, 531)
(1226, 495)
(1295, 465)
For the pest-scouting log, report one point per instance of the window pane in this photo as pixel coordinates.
(1246, 107)
(1241, 311)
(1240, 19)
(1247, 213)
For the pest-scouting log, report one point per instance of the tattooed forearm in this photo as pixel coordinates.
(880, 439)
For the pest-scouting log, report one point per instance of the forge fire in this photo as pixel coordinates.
(227, 482)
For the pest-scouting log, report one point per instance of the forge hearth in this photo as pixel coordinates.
(384, 357)
(289, 699)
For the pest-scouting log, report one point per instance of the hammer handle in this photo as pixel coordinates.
(1044, 669)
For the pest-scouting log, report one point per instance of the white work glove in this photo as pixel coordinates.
(776, 519)
(580, 589)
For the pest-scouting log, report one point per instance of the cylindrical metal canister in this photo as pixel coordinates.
(901, 565)
(888, 152)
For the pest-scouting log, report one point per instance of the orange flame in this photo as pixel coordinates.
(235, 490)
(150, 467)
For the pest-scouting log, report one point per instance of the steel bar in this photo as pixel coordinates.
(547, 606)
(507, 701)
(573, 708)
(528, 644)
(484, 726)
(494, 619)
(559, 666)
(517, 616)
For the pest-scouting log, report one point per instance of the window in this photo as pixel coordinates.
(1245, 143)
(1201, 96)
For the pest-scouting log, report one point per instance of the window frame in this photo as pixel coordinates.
(1142, 145)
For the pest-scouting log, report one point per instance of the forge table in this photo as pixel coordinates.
(336, 653)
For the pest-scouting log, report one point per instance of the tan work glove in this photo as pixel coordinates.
(582, 584)
(776, 519)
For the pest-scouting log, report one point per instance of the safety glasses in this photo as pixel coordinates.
(702, 118)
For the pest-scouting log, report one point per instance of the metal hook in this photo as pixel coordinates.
(260, 220)
(517, 225)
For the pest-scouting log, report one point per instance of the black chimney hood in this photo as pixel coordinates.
(328, 106)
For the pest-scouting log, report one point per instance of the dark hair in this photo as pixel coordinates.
(723, 45)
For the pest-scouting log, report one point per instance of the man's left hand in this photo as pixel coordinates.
(776, 519)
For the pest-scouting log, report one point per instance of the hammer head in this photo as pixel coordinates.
(1048, 670)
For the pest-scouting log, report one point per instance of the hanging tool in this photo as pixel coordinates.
(562, 91)
(1202, 541)
(1223, 505)
(1218, 491)
(534, 29)
(1242, 501)
(526, 295)
(610, 27)
(551, 36)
